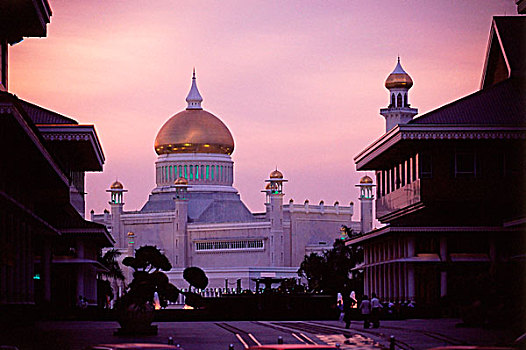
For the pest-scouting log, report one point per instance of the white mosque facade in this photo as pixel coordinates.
(196, 217)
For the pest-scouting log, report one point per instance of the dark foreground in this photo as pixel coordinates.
(409, 334)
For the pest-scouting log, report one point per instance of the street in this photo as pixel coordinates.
(409, 334)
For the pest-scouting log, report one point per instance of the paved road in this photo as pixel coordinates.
(409, 334)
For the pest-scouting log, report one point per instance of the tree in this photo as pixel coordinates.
(113, 273)
(135, 308)
(332, 272)
(148, 279)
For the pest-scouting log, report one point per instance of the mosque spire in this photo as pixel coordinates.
(194, 98)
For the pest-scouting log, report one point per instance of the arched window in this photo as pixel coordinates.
(207, 172)
(405, 100)
(180, 171)
(213, 169)
(197, 172)
(392, 100)
(171, 169)
(222, 179)
(186, 171)
(399, 100)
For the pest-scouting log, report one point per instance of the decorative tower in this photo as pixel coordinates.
(275, 214)
(181, 244)
(194, 98)
(117, 203)
(366, 203)
(399, 111)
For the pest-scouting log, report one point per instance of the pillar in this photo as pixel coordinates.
(443, 258)
(411, 281)
(46, 271)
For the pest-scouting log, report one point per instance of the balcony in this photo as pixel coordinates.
(398, 202)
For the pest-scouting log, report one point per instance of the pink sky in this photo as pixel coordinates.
(298, 83)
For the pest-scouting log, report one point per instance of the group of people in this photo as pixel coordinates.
(370, 309)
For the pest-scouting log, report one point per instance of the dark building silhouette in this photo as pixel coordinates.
(450, 187)
(48, 252)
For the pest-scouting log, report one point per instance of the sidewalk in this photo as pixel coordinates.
(427, 333)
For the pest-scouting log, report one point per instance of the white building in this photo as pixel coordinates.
(198, 219)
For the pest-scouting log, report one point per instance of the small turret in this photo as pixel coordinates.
(398, 111)
(366, 198)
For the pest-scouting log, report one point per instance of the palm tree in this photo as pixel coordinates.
(113, 271)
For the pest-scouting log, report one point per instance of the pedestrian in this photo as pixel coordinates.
(340, 307)
(365, 308)
(376, 307)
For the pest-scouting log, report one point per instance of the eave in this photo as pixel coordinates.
(81, 139)
(365, 160)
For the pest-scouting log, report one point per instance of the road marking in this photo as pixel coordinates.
(254, 339)
(242, 341)
(301, 340)
(309, 339)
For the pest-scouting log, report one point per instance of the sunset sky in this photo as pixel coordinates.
(298, 83)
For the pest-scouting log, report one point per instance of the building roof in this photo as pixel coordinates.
(506, 50)
(40, 115)
(500, 104)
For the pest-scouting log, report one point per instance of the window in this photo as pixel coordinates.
(197, 172)
(229, 245)
(399, 100)
(405, 101)
(392, 100)
(186, 171)
(213, 169)
(207, 172)
(465, 164)
(171, 172)
(426, 166)
(191, 172)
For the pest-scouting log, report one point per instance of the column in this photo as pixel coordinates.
(46, 270)
(400, 282)
(410, 281)
(443, 258)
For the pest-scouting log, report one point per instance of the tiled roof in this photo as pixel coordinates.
(500, 104)
(40, 115)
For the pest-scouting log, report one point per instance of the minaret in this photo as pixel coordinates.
(117, 203)
(275, 214)
(179, 254)
(194, 98)
(366, 203)
(399, 111)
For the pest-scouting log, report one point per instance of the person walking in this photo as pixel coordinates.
(365, 308)
(376, 307)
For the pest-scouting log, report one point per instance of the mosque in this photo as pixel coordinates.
(196, 217)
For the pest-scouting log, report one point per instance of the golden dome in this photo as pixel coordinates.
(194, 131)
(268, 187)
(366, 180)
(116, 186)
(181, 181)
(399, 81)
(131, 234)
(398, 78)
(276, 174)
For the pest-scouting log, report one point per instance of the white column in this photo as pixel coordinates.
(411, 281)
